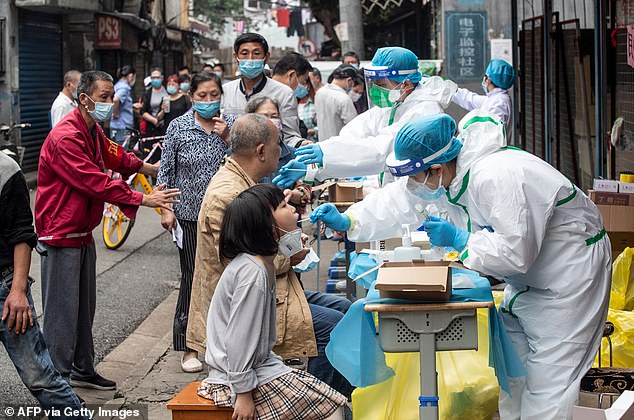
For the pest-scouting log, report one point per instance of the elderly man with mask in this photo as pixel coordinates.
(513, 216)
(304, 318)
(399, 94)
(72, 187)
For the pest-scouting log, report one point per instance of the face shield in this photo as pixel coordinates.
(385, 85)
(412, 166)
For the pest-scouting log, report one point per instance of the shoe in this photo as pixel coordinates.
(95, 382)
(191, 365)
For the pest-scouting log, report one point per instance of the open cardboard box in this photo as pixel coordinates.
(622, 409)
(416, 280)
(342, 191)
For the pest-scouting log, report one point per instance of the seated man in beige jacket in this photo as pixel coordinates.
(304, 318)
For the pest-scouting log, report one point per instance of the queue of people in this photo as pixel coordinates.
(232, 177)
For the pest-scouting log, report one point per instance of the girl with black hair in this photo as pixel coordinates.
(243, 370)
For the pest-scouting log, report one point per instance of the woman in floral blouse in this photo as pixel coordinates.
(195, 145)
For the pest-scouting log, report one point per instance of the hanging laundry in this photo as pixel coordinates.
(283, 18)
(295, 23)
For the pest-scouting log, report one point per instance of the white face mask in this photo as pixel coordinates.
(290, 243)
(422, 191)
(354, 96)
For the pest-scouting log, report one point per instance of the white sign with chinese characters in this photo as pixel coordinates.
(502, 49)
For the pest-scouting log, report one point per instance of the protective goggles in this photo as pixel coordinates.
(412, 166)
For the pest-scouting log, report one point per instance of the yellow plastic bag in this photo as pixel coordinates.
(622, 292)
(622, 340)
(467, 386)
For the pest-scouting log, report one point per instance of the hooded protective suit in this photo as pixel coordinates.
(364, 143)
(496, 102)
(531, 226)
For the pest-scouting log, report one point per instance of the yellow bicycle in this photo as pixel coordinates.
(116, 225)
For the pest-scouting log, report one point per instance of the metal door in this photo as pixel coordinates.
(40, 58)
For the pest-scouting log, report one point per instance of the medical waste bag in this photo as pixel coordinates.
(467, 386)
(622, 292)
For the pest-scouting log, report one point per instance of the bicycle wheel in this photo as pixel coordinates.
(116, 227)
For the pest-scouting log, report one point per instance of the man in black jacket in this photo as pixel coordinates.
(19, 330)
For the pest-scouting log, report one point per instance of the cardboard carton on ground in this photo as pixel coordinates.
(605, 185)
(415, 280)
(619, 241)
(622, 409)
(626, 187)
(611, 199)
(617, 218)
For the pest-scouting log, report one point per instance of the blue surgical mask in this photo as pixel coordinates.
(172, 90)
(156, 83)
(75, 94)
(207, 109)
(219, 74)
(251, 68)
(102, 111)
(424, 192)
(185, 87)
(301, 91)
(484, 87)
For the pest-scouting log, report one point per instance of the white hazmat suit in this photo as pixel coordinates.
(496, 102)
(365, 142)
(531, 226)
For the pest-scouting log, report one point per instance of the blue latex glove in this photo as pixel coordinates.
(311, 153)
(329, 214)
(443, 233)
(289, 174)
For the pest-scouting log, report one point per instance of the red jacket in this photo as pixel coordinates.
(72, 186)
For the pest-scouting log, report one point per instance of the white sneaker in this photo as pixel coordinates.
(192, 365)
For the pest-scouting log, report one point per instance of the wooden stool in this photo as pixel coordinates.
(187, 405)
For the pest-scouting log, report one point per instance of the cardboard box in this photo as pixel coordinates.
(626, 187)
(415, 280)
(345, 192)
(612, 199)
(617, 218)
(605, 185)
(622, 409)
(619, 241)
(390, 244)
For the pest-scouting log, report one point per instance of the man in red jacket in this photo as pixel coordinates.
(71, 190)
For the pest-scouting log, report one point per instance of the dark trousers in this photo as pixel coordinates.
(327, 310)
(187, 258)
(32, 360)
(69, 297)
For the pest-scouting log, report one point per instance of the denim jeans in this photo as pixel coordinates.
(326, 310)
(30, 356)
(119, 134)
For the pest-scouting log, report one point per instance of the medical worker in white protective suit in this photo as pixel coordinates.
(397, 93)
(512, 216)
(498, 79)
